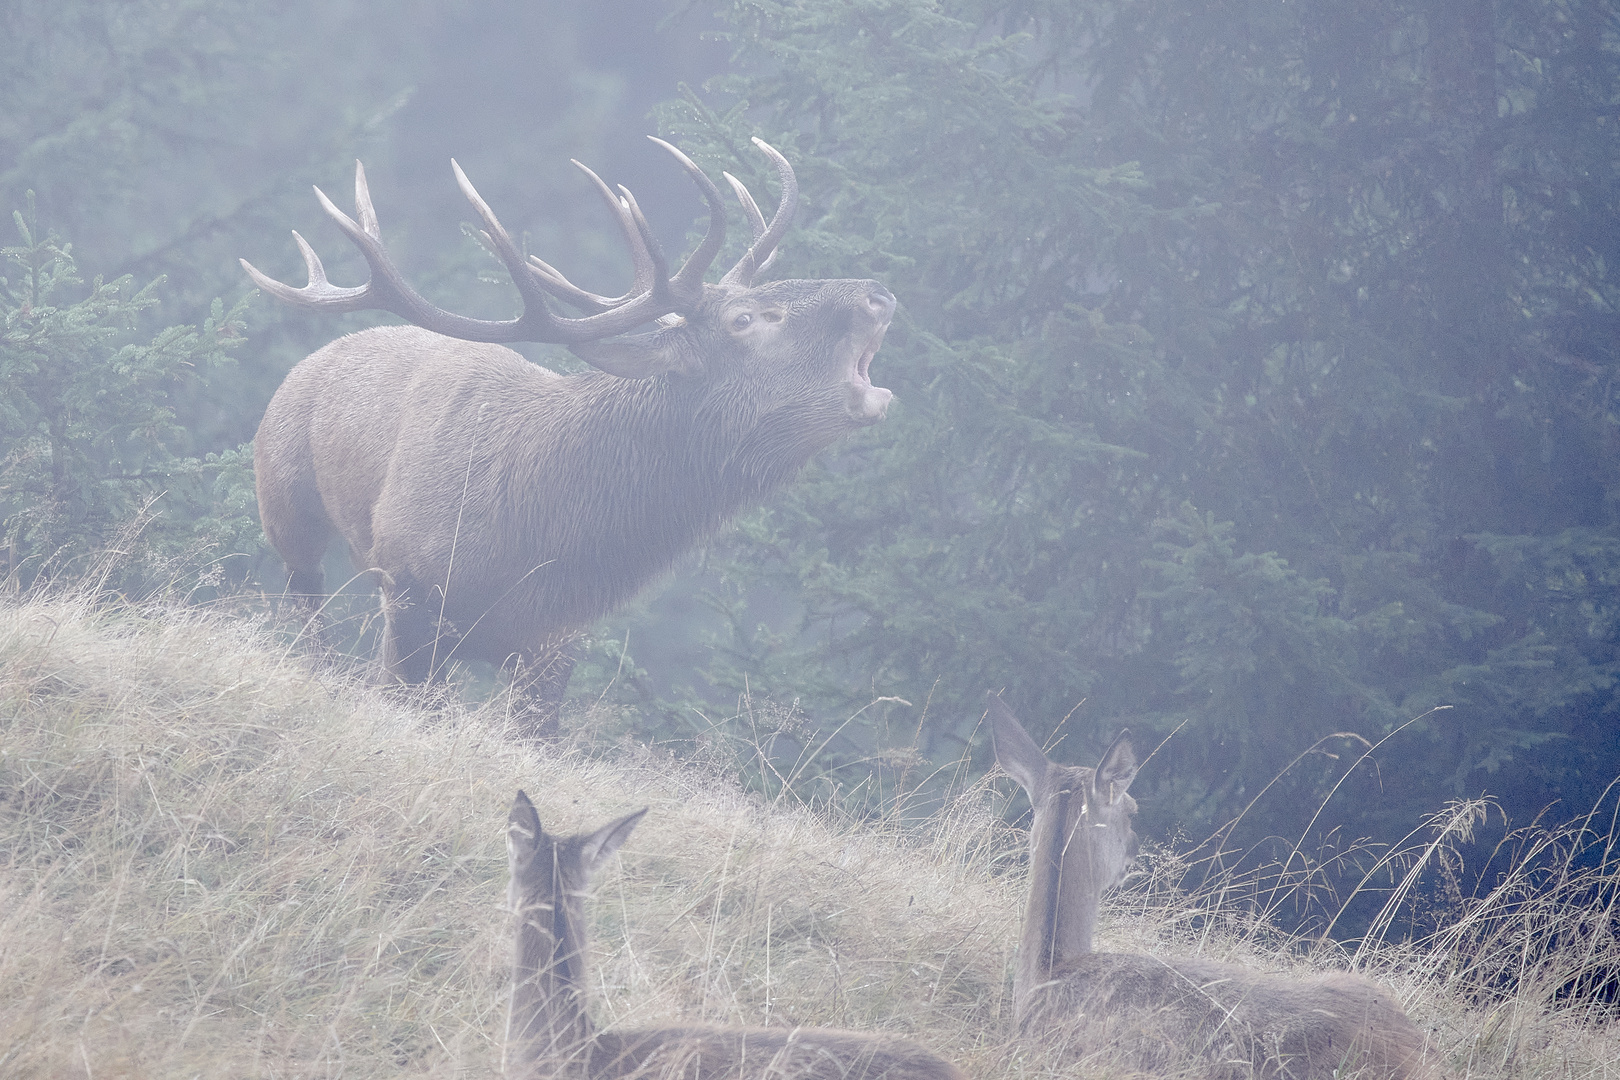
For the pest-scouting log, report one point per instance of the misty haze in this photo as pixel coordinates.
(1227, 390)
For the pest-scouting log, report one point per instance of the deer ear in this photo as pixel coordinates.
(600, 845)
(1015, 750)
(522, 833)
(641, 356)
(1118, 768)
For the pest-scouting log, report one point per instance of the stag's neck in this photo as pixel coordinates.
(1062, 912)
(662, 461)
(673, 430)
(548, 1025)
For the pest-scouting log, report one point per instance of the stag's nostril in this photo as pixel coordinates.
(881, 301)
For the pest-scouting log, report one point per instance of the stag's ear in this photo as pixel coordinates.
(599, 846)
(1015, 750)
(641, 356)
(522, 834)
(1118, 768)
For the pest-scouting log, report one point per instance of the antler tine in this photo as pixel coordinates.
(750, 207)
(649, 242)
(652, 296)
(786, 207)
(687, 284)
(762, 252)
(646, 267)
(744, 272)
(318, 293)
(362, 203)
(501, 241)
(558, 285)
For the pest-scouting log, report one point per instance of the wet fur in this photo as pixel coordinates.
(506, 507)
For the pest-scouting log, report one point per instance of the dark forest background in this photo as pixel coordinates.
(1255, 369)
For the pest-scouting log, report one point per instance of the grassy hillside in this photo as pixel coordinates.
(214, 863)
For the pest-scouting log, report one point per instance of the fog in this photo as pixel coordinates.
(1254, 369)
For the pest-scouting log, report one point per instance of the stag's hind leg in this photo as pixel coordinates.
(301, 543)
(294, 517)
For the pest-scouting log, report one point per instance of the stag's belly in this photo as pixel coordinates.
(501, 596)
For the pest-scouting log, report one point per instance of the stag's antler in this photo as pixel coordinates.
(646, 271)
(762, 252)
(651, 295)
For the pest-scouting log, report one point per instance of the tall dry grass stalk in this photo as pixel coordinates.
(214, 863)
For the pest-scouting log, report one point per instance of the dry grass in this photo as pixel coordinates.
(214, 863)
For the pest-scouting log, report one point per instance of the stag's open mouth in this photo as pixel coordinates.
(863, 363)
(868, 403)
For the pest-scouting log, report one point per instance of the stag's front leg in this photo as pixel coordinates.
(539, 681)
(417, 643)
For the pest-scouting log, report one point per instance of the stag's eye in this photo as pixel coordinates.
(741, 321)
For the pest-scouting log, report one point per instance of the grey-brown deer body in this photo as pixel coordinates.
(549, 1030)
(506, 506)
(1160, 1013)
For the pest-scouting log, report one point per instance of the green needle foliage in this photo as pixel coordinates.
(1254, 378)
(94, 459)
(1255, 365)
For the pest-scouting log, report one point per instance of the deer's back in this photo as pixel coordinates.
(1164, 1012)
(712, 1053)
(383, 401)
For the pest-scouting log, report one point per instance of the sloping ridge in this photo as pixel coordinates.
(215, 863)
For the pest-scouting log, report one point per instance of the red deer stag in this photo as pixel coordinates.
(505, 507)
(549, 1033)
(1164, 1014)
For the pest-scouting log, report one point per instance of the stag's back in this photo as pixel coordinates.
(365, 406)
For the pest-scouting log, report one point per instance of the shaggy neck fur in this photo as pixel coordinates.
(641, 473)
